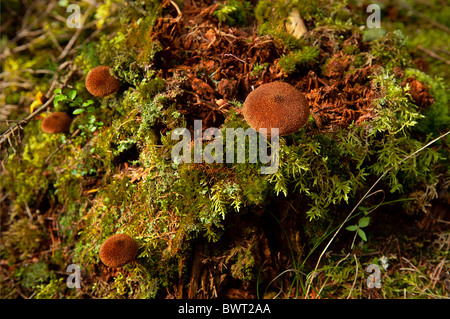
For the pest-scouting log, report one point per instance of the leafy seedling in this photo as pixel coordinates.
(73, 101)
(362, 222)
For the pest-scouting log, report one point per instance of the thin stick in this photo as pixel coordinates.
(356, 277)
(75, 36)
(433, 54)
(232, 55)
(424, 17)
(178, 10)
(5, 136)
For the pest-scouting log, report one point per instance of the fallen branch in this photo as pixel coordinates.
(423, 17)
(76, 35)
(5, 136)
(433, 54)
(12, 130)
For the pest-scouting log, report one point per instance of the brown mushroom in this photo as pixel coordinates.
(118, 250)
(99, 82)
(57, 122)
(276, 105)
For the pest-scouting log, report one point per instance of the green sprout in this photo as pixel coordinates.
(362, 222)
(73, 101)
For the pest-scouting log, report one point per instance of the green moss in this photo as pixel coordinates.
(234, 12)
(32, 275)
(437, 116)
(56, 288)
(390, 50)
(295, 60)
(88, 57)
(131, 285)
(243, 267)
(153, 112)
(23, 238)
(331, 169)
(28, 176)
(117, 175)
(277, 11)
(395, 111)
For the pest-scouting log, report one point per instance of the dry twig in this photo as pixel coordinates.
(433, 54)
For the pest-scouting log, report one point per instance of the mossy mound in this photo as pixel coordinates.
(209, 230)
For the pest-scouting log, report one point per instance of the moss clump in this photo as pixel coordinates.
(31, 276)
(437, 116)
(234, 12)
(298, 59)
(23, 239)
(27, 176)
(390, 50)
(116, 174)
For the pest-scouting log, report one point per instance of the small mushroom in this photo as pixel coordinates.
(276, 105)
(57, 122)
(118, 250)
(99, 82)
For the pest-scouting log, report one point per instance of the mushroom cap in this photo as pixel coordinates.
(99, 82)
(56, 122)
(118, 250)
(276, 105)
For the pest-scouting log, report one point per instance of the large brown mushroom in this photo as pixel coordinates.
(99, 82)
(57, 122)
(118, 250)
(276, 105)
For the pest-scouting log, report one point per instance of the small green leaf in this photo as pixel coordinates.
(352, 228)
(91, 109)
(78, 111)
(72, 94)
(57, 91)
(362, 234)
(58, 98)
(88, 102)
(363, 222)
(364, 210)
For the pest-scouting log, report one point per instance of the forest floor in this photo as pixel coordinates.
(62, 195)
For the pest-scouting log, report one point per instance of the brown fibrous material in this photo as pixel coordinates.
(419, 92)
(57, 122)
(118, 250)
(276, 105)
(100, 82)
